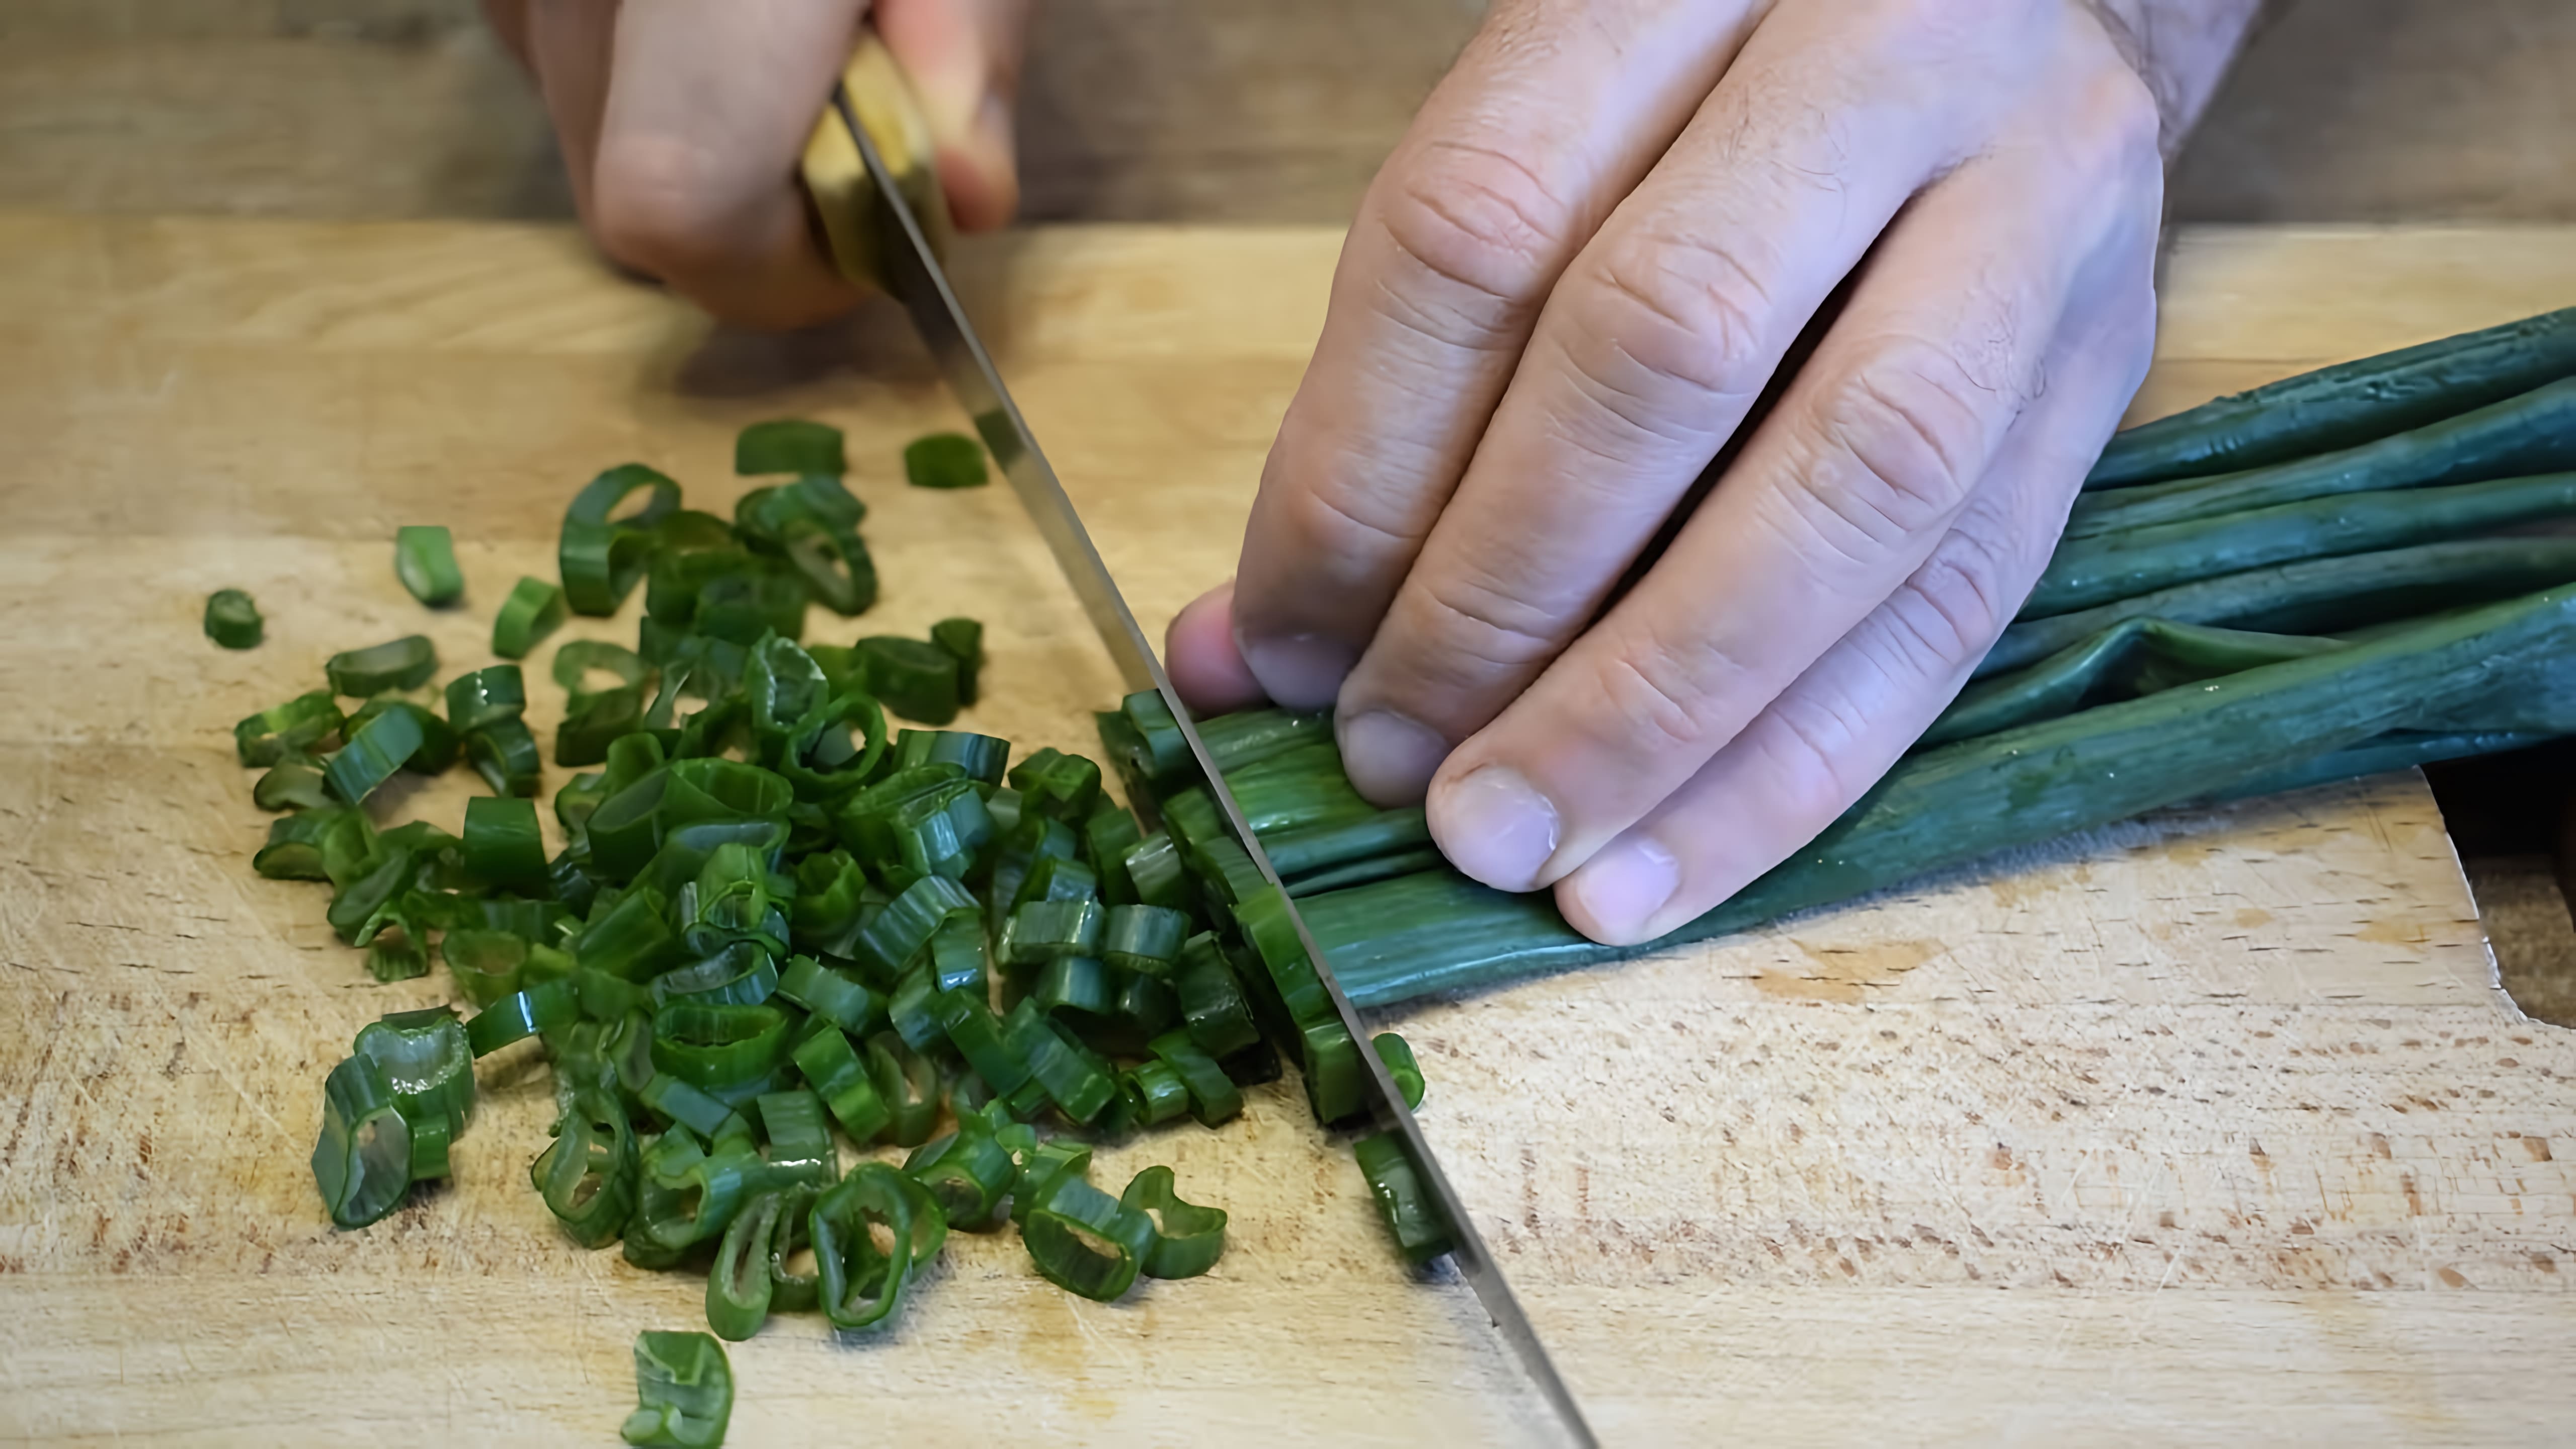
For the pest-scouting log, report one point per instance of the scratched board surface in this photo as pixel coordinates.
(2207, 1124)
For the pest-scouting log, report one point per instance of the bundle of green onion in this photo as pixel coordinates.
(2384, 579)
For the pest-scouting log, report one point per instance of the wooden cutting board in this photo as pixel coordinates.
(2209, 1124)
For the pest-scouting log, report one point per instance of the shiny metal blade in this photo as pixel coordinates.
(918, 282)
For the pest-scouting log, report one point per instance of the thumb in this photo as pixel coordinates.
(964, 60)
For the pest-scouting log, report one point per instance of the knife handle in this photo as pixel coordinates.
(846, 210)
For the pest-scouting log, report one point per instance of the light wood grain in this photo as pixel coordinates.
(2207, 1126)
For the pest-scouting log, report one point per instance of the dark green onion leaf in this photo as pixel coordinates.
(405, 663)
(425, 561)
(534, 610)
(945, 460)
(683, 1390)
(232, 620)
(788, 445)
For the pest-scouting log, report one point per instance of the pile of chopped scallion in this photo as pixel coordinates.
(772, 919)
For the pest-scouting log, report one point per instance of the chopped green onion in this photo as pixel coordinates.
(425, 561)
(504, 753)
(945, 460)
(1187, 1238)
(534, 610)
(294, 783)
(863, 1284)
(486, 697)
(1086, 1242)
(683, 1391)
(437, 741)
(1214, 1097)
(362, 1163)
(967, 1172)
(425, 1060)
(405, 663)
(964, 639)
(1420, 1235)
(589, 1174)
(832, 1067)
(502, 842)
(916, 680)
(372, 755)
(232, 619)
(788, 445)
(1397, 1053)
(600, 557)
(286, 729)
(523, 1014)
(294, 847)
(738, 1285)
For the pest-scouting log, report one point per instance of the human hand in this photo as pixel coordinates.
(681, 124)
(1561, 297)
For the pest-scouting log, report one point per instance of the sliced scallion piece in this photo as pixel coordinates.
(425, 561)
(534, 610)
(1188, 1238)
(232, 619)
(601, 557)
(788, 445)
(683, 1391)
(945, 460)
(362, 1163)
(405, 663)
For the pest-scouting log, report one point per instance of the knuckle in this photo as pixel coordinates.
(656, 208)
(1663, 696)
(1669, 326)
(1911, 434)
(1485, 626)
(1808, 757)
(1481, 235)
(1958, 602)
(1337, 521)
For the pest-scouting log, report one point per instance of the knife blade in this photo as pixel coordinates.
(911, 271)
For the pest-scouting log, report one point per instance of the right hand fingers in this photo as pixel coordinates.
(1551, 115)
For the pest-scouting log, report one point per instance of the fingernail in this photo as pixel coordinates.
(1390, 757)
(1623, 887)
(1496, 827)
(1301, 671)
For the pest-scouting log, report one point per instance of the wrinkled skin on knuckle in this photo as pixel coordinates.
(1660, 695)
(1955, 606)
(1905, 437)
(1668, 330)
(1477, 234)
(1483, 621)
